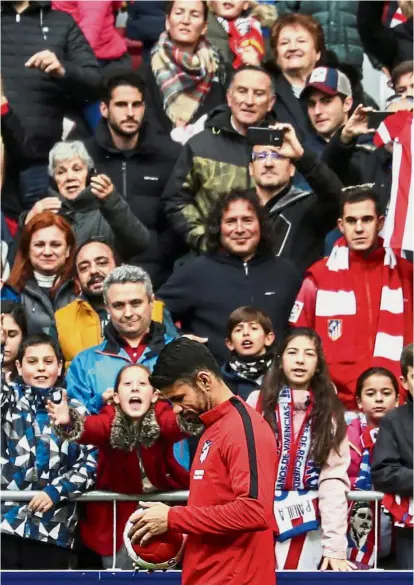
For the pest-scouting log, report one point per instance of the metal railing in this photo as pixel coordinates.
(177, 496)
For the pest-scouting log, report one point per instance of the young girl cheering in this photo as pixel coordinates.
(376, 394)
(299, 402)
(135, 437)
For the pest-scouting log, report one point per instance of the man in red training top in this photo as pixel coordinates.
(229, 517)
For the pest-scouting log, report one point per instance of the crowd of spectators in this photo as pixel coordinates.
(137, 209)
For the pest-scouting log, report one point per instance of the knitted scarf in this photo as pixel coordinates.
(251, 367)
(184, 79)
(361, 515)
(296, 490)
(336, 313)
(243, 32)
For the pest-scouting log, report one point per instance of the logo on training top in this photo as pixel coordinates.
(204, 451)
(335, 329)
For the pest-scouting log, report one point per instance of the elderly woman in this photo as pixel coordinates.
(186, 76)
(41, 276)
(90, 202)
(298, 44)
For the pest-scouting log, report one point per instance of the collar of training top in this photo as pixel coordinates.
(213, 415)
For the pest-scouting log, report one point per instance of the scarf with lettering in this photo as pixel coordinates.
(296, 490)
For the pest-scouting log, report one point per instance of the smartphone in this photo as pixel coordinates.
(56, 396)
(265, 136)
(376, 118)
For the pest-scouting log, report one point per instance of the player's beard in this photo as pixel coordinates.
(192, 426)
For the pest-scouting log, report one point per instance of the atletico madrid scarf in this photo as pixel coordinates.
(243, 32)
(361, 515)
(296, 490)
(336, 308)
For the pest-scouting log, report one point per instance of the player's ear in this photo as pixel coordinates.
(203, 380)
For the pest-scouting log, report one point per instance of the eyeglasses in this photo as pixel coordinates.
(264, 154)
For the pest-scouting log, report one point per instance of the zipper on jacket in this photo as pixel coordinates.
(246, 269)
(371, 344)
(124, 177)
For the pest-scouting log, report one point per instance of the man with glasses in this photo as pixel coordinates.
(299, 219)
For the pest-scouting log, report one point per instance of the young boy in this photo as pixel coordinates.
(250, 338)
(392, 466)
(237, 34)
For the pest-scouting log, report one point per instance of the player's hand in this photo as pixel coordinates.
(341, 565)
(357, 124)
(47, 62)
(108, 395)
(291, 147)
(41, 502)
(101, 186)
(59, 413)
(149, 522)
(52, 204)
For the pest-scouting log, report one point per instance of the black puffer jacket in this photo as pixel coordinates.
(38, 99)
(140, 176)
(212, 163)
(110, 219)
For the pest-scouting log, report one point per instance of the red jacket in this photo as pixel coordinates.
(97, 22)
(119, 471)
(367, 285)
(229, 518)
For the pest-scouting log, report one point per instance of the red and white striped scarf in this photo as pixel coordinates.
(336, 304)
(398, 228)
(401, 509)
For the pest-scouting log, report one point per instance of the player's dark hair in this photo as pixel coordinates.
(213, 225)
(181, 360)
(358, 193)
(376, 371)
(328, 422)
(127, 77)
(406, 360)
(169, 4)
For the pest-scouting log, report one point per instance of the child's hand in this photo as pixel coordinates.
(59, 413)
(41, 502)
(250, 56)
(108, 395)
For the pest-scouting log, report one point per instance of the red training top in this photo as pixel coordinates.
(229, 518)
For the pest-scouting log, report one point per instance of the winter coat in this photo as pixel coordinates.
(146, 21)
(40, 308)
(124, 453)
(212, 163)
(94, 370)
(360, 162)
(97, 22)
(153, 98)
(35, 458)
(202, 293)
(392, 465)
(339, 23)
(110, 219)
(79, 327)
(300, 220)
(391, 46)
(38, 99)
(140, 176)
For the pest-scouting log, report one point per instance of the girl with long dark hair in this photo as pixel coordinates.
(299, 402)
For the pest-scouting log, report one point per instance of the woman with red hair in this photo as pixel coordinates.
(41, 277)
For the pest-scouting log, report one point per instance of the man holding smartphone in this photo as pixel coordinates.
(299, 219)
